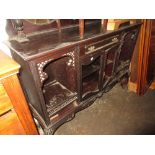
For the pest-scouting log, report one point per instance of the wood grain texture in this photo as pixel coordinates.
(12, 98)
(132, 86)
(152, 48)
(134, 63)
(145, 35)
(152, 85)
(5, 103)
(14, 91)
(7, 65)
(10, 124)
(143, 61)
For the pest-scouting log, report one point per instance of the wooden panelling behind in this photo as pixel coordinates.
(143, 60)
(144, 80)
(134, 62)
(152, 47)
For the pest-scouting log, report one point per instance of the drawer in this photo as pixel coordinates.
(101, 44)
(5, 103)
(89, 58)
(10, 124)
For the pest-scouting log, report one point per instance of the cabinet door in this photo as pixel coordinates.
(90, 69)
(110, 64)
(10, 124)
(145, 69)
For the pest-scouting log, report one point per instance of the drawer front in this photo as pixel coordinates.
(89, 58)
(10, 124)
(5, 103)
(101, 44)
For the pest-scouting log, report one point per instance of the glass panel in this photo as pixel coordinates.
(90, 78)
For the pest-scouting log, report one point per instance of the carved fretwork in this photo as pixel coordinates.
(40, 66)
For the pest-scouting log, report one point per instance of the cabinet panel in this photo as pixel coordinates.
(10, 124)
(145, 72)
(5, 103)
(90, 75)
(110, 64)
(128, 46)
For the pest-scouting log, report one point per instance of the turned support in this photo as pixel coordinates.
(81, 28)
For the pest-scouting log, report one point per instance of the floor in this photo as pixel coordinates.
(116, 112)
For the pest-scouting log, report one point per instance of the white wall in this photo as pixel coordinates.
(3, 37)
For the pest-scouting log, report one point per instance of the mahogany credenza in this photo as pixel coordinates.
(65, 67)
(15, 116)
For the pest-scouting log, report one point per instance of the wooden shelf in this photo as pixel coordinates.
(90, 84)
(89, 70)
(57, 96)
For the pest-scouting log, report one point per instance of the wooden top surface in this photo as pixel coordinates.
(38, 44)
(7, 65)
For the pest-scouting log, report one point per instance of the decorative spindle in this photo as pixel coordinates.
(81, 28)
(58, 24)
(104, 24)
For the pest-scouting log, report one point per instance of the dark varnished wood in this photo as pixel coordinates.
(65, 71)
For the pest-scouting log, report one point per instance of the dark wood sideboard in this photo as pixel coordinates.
(64, 69)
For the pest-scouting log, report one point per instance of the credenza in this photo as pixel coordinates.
(68, 64)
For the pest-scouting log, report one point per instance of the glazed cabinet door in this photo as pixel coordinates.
(90, 73)
(110, 65)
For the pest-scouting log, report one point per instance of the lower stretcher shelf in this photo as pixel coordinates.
(57, 96)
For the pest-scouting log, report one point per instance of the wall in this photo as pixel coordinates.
(3, 37)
